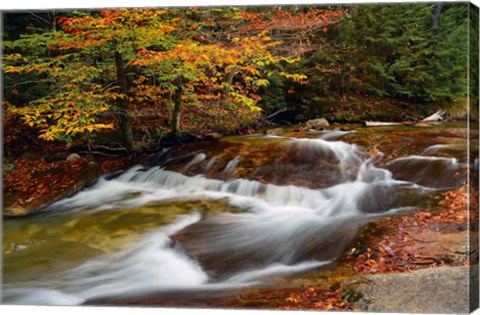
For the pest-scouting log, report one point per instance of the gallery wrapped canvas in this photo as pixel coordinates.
(285, 157)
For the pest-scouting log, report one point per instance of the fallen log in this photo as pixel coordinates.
(381, 124)
(112, 151)
(436, 117)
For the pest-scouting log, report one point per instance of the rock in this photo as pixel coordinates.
(73, 158)
(15, 210)
(57, 156)
(317, 124)
(344, 128)
(302, 129)
(275, 131)
(213, 136)
(432, 290)
(8, 167)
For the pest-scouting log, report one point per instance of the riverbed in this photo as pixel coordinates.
(215, 219)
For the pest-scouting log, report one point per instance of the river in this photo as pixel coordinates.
(214, 218)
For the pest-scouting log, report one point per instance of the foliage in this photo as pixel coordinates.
(83, 65)
(391, 51)
(313, 299)
(68, 76)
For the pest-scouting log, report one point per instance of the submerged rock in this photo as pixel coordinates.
(317, 124)
(433, 290)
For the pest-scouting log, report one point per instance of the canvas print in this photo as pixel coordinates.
(288, 157)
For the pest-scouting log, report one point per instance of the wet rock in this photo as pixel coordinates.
(433, 290)
(344, 128)
(275, 131)
(73, 158)
(217, 242)
(317, 124)
(302, 129)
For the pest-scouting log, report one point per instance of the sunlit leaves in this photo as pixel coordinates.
(72, 108)
(206, 67)
(218, 59)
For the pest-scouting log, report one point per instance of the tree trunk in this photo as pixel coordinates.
(437, 9)
(123, 104)
(177, 102)
(226, 90)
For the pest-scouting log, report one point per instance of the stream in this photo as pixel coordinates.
(213, 218)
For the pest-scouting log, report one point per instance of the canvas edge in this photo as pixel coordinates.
(473, 120)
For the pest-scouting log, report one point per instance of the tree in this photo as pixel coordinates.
(390, 52)
(210, 64)
(98, 62)
(85, 62)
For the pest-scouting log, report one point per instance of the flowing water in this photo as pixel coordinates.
(213, 217)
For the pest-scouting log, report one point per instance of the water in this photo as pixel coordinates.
(232, 215)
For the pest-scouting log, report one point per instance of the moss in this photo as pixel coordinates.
(350, 295)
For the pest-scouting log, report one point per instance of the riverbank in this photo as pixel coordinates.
(42, 172)
(37, 173)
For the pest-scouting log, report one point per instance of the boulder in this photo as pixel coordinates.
(317, 124)
(433, 290)
(275, 131)
(73, 158)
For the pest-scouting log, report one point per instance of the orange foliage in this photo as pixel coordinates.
(311, 299)
(399, 250)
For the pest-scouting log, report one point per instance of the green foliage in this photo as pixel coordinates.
(389, 52)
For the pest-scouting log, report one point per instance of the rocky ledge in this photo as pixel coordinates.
(433, 290)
